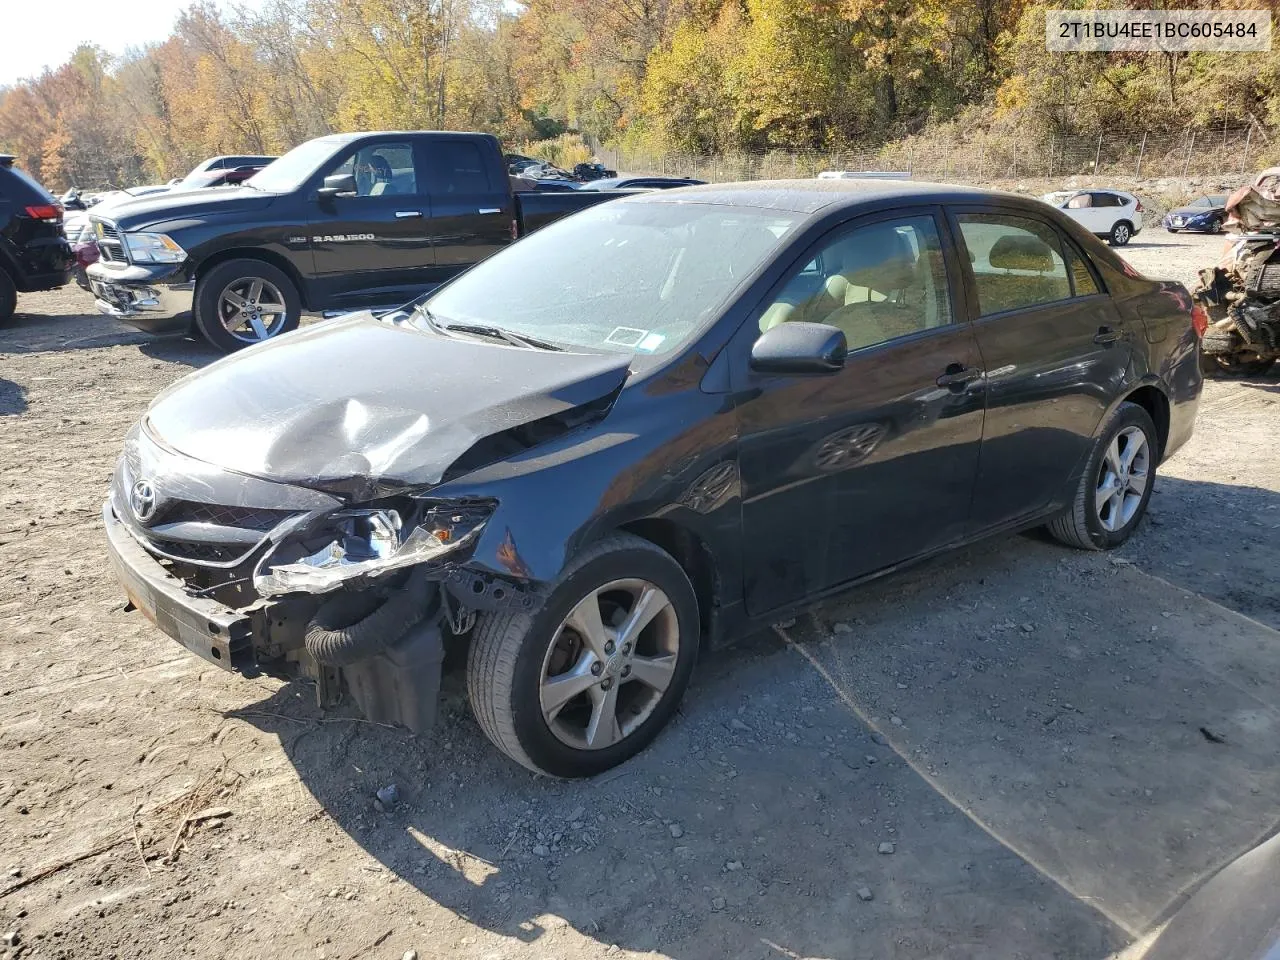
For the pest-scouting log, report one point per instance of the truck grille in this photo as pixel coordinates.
(111, 247)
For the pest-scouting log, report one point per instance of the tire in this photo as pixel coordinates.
(240, 278)
(8, 297)
(1120, 234)
(1215, 226)
(1083, 525)
(513, 653)
(1172, 229)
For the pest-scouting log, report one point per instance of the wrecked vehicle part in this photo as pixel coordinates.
(379, 433)
(351, 626)
(1242, 296)
(366, 543)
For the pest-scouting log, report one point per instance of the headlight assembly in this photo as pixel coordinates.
(154, 248)
(368, 543)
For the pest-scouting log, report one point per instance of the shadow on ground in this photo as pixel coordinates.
(1025, 724)
(13, 398)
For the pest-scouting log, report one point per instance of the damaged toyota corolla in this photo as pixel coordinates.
(647, 427)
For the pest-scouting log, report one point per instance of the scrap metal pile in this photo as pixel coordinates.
(1242, 293)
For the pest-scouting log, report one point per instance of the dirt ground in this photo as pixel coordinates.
(1018, 751)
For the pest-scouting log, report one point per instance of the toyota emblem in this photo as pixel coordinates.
(143, 500)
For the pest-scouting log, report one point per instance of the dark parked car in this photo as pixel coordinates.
(34, 254)
(641, 183)
(651, 426)
(340, 222)
(592, 171)
(1205, 215)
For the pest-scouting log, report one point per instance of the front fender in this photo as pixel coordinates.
(667, 457)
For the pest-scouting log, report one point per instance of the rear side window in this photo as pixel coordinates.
(1016, 262)
(1107, 200)
(1082, 281)
(457, 166)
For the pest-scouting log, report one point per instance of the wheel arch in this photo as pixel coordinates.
(276, 260)
(694, 556)
(1153, 400)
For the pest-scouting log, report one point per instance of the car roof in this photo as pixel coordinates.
(814, 196)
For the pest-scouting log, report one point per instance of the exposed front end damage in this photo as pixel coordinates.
(1242, 292)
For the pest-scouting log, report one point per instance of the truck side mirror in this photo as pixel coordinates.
(338, 185)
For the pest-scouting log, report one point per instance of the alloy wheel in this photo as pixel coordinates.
(609, 663)
(1123, 478)
(1122, 234)
(252, 309)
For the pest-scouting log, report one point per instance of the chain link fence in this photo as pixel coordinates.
(1138, 154)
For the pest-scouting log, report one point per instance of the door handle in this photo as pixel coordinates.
(489, 210)
(957, 375)
(1106, 336)
(407, 214)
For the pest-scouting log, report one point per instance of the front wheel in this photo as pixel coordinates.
(589, 679)
(242, 302)
(1121, 234)
(1116, 485)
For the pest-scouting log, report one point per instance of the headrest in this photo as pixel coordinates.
(1020, 252)
(879, 258)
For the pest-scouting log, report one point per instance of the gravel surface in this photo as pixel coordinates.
(1014, 751)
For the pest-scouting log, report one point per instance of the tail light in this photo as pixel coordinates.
(1138, 208)
(515, 229)
(1199, 319)
(45, 211)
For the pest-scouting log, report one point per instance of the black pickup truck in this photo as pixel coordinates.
(341, 222)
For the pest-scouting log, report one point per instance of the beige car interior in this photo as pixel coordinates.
(877, 287)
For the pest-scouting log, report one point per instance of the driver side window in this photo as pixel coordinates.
(875, 283)
(380, 169)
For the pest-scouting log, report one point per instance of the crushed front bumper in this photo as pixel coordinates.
(151, 298)
(217, 633)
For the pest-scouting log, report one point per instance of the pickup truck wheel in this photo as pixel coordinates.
(590, 678)
(1116, 485)
(243, 302)
(8, 297)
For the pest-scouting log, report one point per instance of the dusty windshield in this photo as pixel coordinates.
(627, 276)
(288, 173)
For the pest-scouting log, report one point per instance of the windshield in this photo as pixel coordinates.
(623, 277)
(291, 171)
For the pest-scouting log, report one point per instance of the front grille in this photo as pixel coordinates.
(110, 246)
(246, 518)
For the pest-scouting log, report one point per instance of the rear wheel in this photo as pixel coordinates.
(8, 297)
(1116, 485)
(1121, 234)
(588, 680)
(243, 302)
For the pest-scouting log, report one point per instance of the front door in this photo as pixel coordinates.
(847, 473)
(373, 247)
(1055, 351)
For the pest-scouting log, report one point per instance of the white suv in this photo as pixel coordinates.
(1112, 214)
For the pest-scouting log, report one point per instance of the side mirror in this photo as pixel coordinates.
(798, 348)
(338, 185)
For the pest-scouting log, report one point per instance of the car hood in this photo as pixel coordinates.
(1194, 211)
(359, 406)
(142, 212)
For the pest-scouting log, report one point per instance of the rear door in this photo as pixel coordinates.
(1055, 353)
(847, 473)
(471, 205)
(373, 247)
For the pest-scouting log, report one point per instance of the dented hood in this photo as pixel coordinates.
(359, 405)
